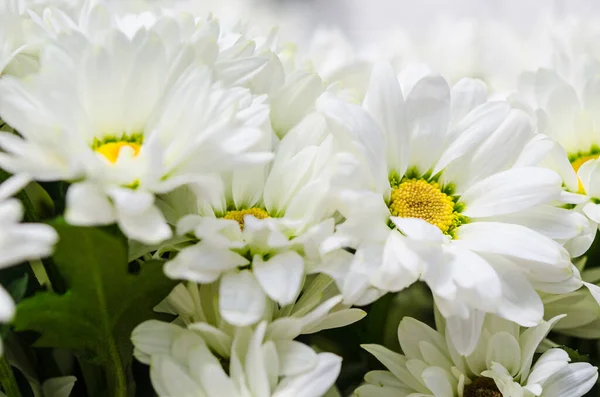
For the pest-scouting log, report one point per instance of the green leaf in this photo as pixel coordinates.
(102, 305)
(575, 355)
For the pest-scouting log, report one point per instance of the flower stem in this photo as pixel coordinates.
(8, 380)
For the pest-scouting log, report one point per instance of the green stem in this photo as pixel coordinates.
(117, 377)
(8, 380)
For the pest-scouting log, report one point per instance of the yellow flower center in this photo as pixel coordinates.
(238, 215)
(482, 387)
(578, 162)
(111, 150)
(417, 198)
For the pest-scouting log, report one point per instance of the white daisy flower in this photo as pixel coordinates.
(20, 38)
(434, 199)
(19, 242)
(181, 364)
(122, 121)
(260, 235)
(500, 366)
(235, 57)
(318, 308)
(565, 108)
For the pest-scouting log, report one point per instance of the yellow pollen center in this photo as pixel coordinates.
(578, 162)
(421, 199)
(238, 215)
(111, 150)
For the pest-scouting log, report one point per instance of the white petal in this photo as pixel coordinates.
(472, 131)
(589, 175)
(428, 114)
(314, 383)
(148, 227)
(411, 332)
(131, 202)
(59, 387)
(466, 94)
(385, 103)
(465, 332)
(88, 205)
(169, 379)
(592, 211)
(519, 303)
(529, 341)
(418, 229)
(359, 134)
(401, 266)
(7, 306)
(512, 136)
(510, 240)
(293, 101)
(295, 358)
(255, 365)
(13, 185)
(241, 300)
(438, 381)
(203, 263)
(280, 276)
(511, 191)
(574, 380)
(504, 349)
(549, 363)
(594, 291)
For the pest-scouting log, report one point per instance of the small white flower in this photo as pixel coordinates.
(122, 120)
(445, 193)
(261, 234)
(19, 241)
(181, 364)
(500, 366)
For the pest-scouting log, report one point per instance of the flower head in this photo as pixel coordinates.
(500, 366)
(435, 200)
(122, 119)
(181, 364)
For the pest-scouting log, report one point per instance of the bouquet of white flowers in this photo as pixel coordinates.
(190, 208)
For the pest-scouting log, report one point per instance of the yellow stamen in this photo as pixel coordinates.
(421, 199)
(111, 150)
(238, 215)
(578, 162)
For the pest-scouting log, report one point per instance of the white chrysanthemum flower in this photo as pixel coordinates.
(260, 235)
(181, 364)
(500, 366)
(566, 110)
(235, 58)
(19, 241)
(123, 121)
(434, 199)
(317, 309)
(20, 38)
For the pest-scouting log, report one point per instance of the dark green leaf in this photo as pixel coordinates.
(102, 305)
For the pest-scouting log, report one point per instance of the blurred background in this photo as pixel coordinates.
(363, 21)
